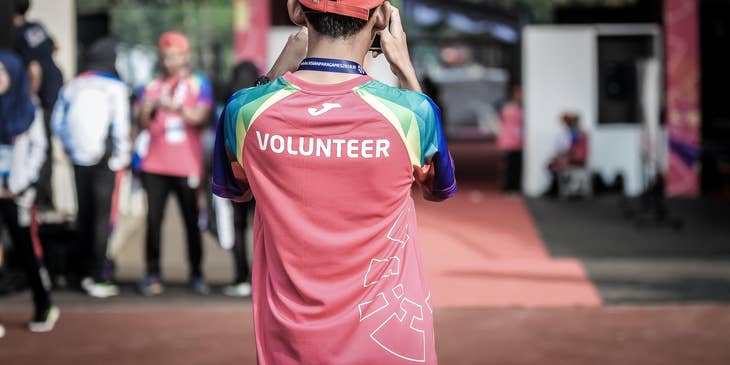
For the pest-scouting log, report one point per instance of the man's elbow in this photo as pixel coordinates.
(440, 195)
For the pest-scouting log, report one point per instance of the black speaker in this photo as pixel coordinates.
(618, 79)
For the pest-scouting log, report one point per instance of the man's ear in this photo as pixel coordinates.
(296, 13)
(381, 16)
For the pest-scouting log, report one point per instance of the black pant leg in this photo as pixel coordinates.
(157, 188)
(188, 199)
(44, 188)
(103, 189)
(82, 253)
(514, 170)
(504, 171)
(30, 254)
(240, 256)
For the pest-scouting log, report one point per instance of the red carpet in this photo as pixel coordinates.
(223, 334)
(482, 249)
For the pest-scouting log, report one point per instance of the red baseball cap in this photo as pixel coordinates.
(353, 8)
(174, 40)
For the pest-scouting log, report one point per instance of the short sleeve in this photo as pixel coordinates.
(437, 171)
(33, 43)
(205, 93)
(139, 93)
(229, 176)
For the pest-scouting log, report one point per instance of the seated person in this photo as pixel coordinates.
(572, 146)
(572, 149)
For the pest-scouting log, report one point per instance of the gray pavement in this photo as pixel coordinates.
(631, 264)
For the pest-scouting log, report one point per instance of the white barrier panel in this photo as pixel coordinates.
(559, 74)
(616, 150)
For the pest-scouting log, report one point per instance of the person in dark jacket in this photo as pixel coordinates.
(36, 48)
(22, 153)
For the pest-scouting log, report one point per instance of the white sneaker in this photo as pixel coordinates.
(48, 323)
(237, 290)
(99, 290)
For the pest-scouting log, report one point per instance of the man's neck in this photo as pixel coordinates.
(180, 74)
(350, 49)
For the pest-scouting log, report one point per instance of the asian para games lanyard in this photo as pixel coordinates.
(331, 65)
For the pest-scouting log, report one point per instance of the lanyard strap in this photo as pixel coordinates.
(331, 65)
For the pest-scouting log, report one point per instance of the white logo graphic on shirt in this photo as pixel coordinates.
(414, 348)
(35, 36)
(400, 333)
(399, 231)
(325, 108)
(370, 307)
(405, 315)
(381, 269)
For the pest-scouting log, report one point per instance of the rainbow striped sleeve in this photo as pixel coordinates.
(418, 121)
(241, 111)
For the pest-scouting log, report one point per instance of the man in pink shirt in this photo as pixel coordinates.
(173, 107)
(330, 156)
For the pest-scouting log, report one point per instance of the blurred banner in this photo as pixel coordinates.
(251, 23)
(683, 96)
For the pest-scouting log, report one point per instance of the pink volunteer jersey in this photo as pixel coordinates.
(175, 147)
(338, 276)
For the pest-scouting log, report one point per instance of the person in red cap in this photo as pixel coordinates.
(330, 156)
(173, 109)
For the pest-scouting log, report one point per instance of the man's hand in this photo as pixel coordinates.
(395, 48)
(292, 55)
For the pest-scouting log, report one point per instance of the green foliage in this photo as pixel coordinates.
(207, 23)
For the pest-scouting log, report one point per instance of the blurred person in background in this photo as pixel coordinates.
(36, 48)
(173, 108)
(509, 142)
(244, 75)
(22, 152)
(571, 149)
(331, 156)
(92, 120)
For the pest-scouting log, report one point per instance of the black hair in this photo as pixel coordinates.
(21, 6)
(244, 75)
(101, 56)
(335, 25)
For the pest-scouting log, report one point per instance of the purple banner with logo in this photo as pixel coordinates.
(683, 96)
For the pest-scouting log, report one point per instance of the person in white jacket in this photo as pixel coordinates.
(22, 153)
(92, 119)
